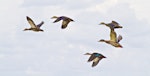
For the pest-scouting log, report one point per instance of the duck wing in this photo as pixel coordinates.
(116, 25)
(119, 38)
(96, 61)
(110, 25)
(113, 35)
(65, 23)
(58, 19)
(92, 57)
(31, 22)
(39, 25)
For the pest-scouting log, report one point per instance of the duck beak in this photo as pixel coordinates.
(25, 30)
(101, 23)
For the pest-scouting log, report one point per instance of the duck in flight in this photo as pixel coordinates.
(95, 57)
(114, 40)
(65, 22)
(113, 24)
(33, 27)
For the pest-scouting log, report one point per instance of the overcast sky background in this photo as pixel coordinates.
(59, 52)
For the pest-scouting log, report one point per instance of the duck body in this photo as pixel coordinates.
(95, 57)
(66, 20)
(33, 29)
(115, 44)
(112, 25)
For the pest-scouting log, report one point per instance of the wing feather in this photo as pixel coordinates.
(65, 24)
(31, 22)
(91, 57)
(116, 25)
(113, 35)
(58, 19)
(96, 61)
(39, 25)
(119, 38)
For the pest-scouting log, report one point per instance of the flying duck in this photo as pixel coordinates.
(33, 27)
(113, 24)
(95, 57)
(114, 41)
(65, 19)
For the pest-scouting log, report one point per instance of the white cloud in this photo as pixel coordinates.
(103, 7)
(141, 8)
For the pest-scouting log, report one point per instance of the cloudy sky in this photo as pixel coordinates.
(57, 52)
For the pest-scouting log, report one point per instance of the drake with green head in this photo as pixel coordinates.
(66, 20)
(95, 57)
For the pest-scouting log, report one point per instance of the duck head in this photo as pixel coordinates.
(27, 29)
(54, 17)
(102, 40)
(87, 54)
(102, 23)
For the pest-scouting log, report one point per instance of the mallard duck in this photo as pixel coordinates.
(65, 19)
(95, 57)
(34, 27)
(114, 41)
(113, 24)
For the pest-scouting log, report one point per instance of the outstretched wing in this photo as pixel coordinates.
(91, 57)
(65, 24)
(58, 19)
(119, 38)
(116, 25)
(30, 21)
(96, 60)
(39, 25)
(113, 35)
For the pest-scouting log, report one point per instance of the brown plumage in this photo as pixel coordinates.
(112, 25)
(33, 27)
(65, 22)
(114, 41)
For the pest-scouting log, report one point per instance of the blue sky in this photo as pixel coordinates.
(57, 52)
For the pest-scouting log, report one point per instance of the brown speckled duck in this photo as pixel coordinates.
(65, 19)
(113, 24)
(114, 41)
(34, 27)
(95, 57)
